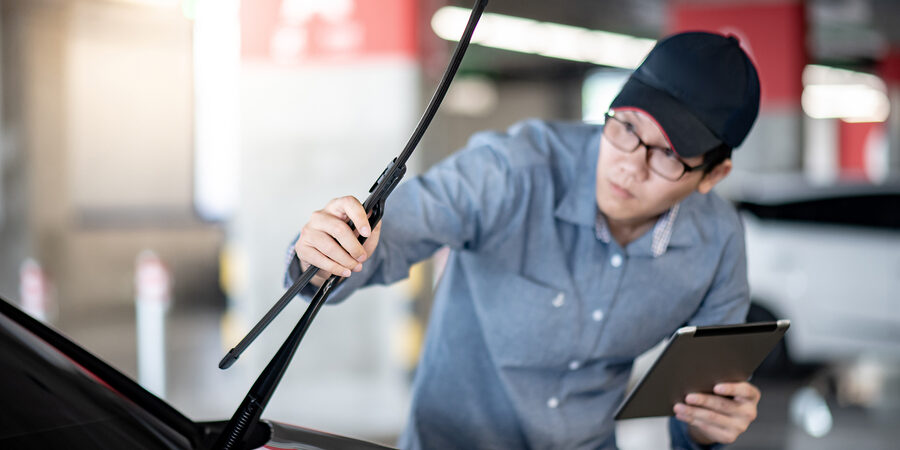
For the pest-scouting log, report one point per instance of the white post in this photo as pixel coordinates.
(34, 291)
(153, 284)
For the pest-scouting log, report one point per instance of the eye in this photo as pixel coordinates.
(668, 152)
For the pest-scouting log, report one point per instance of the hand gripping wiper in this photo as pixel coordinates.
(248, 413)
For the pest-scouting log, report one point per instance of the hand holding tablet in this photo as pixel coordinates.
(695, 360)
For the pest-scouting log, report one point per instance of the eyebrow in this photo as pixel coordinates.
(631, 122)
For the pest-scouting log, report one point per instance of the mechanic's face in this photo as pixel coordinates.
(629, 192)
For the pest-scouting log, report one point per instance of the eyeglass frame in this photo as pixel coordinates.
(640, 143)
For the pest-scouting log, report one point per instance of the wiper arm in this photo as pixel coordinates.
(248, 413)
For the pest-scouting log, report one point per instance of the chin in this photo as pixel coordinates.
(615, 209)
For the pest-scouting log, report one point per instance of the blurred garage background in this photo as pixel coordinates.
(157, 157)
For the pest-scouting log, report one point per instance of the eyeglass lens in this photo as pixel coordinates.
(621, 134)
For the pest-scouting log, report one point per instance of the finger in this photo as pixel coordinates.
(324, 263)
(711, 431)
(325, 243)
(350, 208)
(340, 231)
(330, 248)
(707, 415)
(742, 391)
(372, 241)
(320, 275)
(710, 421)
(713, 402)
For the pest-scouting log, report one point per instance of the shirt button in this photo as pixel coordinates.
(574, 365)
(552, 403)
(559, 300)
(597, 315)
(616, 260)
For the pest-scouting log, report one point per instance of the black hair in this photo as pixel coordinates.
(716, 156)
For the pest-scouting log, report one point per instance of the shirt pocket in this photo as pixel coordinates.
(525, 323)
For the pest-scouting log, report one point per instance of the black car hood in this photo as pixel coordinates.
(55, 394)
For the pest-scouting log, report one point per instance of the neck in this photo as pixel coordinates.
(625, 232)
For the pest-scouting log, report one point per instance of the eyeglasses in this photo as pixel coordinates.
(661, 160)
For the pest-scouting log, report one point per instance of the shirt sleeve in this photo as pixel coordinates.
(462, 202)
(728, 298)
(681, 440)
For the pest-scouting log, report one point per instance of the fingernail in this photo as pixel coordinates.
(365, 231)
(720, 389)
(679, 408)
(691, 398)
(357, 268)
(345, 273)
(361, 258)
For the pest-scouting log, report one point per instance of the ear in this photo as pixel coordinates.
(714, 176)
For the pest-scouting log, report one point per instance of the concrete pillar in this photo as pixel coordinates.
(821, 151)
(32, 139)
(15, 238)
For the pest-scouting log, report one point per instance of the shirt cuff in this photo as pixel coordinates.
(681, 438)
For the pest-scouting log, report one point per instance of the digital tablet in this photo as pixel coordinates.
(697, 358)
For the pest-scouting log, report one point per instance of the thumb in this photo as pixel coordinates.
(372, 241)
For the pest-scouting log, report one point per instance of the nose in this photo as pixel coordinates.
(634, 164)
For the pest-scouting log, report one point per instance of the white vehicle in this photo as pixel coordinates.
(828, 259)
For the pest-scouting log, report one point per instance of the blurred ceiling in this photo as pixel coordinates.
(847, 33)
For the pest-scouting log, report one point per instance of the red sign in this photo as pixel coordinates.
(889, 67)
(291, 31)
(772, 33)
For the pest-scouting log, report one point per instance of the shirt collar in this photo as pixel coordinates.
(686, 229)
(661, 234)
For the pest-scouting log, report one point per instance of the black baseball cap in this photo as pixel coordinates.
(701, 88)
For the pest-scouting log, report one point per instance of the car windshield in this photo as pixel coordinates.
(49, 401)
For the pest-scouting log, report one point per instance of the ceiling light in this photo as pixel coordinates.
(832, 93)
(828, 92)
(850, 102)
(157, 3)
(544, 38)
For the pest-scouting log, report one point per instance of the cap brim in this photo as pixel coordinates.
(688, 136)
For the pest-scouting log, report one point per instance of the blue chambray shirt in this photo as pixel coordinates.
(538, 318)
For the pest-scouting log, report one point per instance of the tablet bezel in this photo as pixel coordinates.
(680, 370)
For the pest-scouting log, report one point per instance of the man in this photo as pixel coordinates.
(575, 248)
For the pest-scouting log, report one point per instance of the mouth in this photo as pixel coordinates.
(620, 192)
